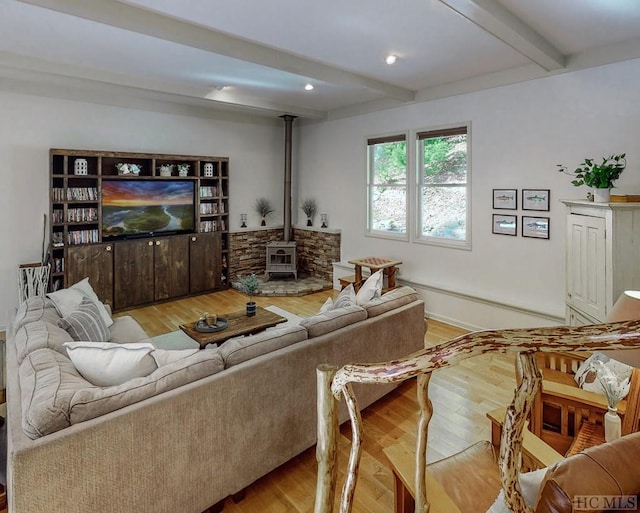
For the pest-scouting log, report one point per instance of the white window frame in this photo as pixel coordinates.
(419, 184)
(370, 142)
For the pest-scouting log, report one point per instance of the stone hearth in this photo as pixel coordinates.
(287, 285)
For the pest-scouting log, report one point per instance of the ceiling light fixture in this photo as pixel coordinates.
(391, 59)
(308, 87)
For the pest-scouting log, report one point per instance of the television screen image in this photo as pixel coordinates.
(140, 207)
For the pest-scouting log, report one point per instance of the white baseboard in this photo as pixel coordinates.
(467, 310)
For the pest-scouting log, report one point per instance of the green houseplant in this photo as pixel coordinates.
(598, 176)
(250, 285)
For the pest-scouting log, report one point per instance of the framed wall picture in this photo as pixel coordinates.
(535, 199)
(505, 224)
(505, 199)
(536, 227)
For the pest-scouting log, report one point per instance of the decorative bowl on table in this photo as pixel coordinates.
(203, 327)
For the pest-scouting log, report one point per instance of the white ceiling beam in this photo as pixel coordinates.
(78, 77)
(142, 21)
(501, 23)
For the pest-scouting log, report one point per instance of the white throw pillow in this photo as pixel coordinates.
(371, 289)
(327, 306)
(347, 297)
(106, 364)
(85, 288)
(529, 484)
(66, 301)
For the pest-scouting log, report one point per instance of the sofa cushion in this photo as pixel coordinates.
(91, 402)
(391, 300)
(48, 381)
(240, 349)
(320, 324)
(36, 308)
(39, 334)
(126, 329)
(370, 289)
(168, 356)
(106, 364)
(86, 323)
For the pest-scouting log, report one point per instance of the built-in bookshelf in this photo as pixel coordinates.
(76, 210)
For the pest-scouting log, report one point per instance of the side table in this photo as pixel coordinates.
(388, 265)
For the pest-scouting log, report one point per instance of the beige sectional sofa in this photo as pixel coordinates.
(192, 432)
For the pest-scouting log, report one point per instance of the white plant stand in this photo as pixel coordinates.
(33, 280)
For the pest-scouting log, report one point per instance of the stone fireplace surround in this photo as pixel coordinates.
(317, 250)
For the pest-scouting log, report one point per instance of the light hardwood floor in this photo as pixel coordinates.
(461, 397)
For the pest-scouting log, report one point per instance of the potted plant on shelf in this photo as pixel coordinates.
(598, 176)
(309, 207)
(263, 207)
(250, 285)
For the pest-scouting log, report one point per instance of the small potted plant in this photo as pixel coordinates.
(309, 207)
(250, 285)
(263, 207)
(599, 176)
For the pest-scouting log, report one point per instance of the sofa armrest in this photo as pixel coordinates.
(605, 470)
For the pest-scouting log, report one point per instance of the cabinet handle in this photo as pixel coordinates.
(108, 248)
(193, 239)
(157, 243)
(150, 243)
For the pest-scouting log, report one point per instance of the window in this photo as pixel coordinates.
(387, 186)
(444, 187)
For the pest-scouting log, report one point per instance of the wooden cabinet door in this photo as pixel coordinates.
(94, 261)
(171, 258)
(586, 265)
(205, 261)
(133, 273)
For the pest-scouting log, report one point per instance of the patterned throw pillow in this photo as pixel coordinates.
(86, 323)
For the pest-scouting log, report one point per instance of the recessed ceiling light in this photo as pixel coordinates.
(391, 59)
(308, 87)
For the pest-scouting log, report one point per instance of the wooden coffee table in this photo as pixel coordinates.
(238, 324)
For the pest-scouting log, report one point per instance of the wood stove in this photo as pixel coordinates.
(281, 258)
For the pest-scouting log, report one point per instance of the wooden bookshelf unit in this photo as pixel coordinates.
(154, 266)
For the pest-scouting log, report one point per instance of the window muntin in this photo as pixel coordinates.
(444, 187)
(387, 186)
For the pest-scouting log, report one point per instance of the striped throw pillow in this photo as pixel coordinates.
(85, 323)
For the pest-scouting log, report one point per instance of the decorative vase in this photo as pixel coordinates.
(612, 425)
(251, 308)
(263, 222)
(602, 195)
(309, 221)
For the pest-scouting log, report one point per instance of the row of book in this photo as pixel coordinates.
(208, 208)
(213, 226)
(83, 237)
(208, 191)
(75, 194)
(82, 215)
(57, 265)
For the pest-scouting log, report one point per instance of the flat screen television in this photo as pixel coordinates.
(139, 208)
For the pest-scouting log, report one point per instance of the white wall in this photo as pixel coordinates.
(519, 134)
(32, 125)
